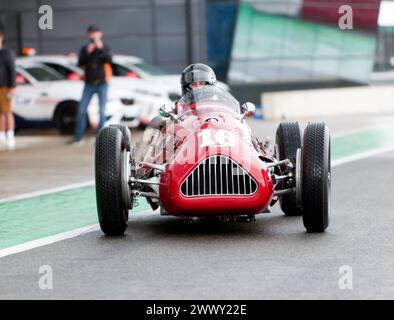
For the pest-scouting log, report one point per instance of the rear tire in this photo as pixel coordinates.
(288, 140)
(316, 177)
(126, 140)
(112, 213)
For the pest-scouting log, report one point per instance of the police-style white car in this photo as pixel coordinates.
(148, 95)
(45, 98)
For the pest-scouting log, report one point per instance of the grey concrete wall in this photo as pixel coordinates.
(156, 30)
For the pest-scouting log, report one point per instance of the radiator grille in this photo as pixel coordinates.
(218, 175)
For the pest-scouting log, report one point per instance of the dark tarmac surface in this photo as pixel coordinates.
(163, 258)
(272, 258)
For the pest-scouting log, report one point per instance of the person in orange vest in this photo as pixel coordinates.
(95, 58)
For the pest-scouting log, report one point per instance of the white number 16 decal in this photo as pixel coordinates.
(221, 137)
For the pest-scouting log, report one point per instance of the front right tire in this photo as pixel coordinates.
(316, 177)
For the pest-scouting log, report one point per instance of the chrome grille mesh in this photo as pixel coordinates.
(218, 175)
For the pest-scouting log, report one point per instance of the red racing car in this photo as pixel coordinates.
(200, 160)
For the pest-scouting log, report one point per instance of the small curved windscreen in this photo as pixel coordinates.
(208, 96)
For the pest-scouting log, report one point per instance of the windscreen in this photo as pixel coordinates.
(209, 96)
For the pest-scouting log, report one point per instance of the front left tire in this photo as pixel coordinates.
(112, 207)
(126, 136)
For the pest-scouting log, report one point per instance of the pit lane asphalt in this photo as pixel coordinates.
(273, 257)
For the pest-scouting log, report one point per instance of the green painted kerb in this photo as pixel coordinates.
(360, 142)
(26, 220)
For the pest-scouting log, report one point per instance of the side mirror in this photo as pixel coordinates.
(247, 109)
(166, 110)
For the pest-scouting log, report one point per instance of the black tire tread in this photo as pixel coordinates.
(288, 140)
(126, 140)
(111, 213)
(316, 148)
(60, 112)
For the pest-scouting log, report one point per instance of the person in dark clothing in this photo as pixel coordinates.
(95, 58)
(7, 92)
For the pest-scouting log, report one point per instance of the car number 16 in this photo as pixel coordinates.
(220, 137)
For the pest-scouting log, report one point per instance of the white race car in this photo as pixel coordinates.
(148, 95)
(45, 98)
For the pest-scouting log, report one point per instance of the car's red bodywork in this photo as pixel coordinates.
(188, 135)
(199, 160)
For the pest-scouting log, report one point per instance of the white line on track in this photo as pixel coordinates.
(361, 156)
(48, 191)
(47, 240)
(361, 130)
(77, 232)
(59, 237)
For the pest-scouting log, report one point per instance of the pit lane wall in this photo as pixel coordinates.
(328, 102)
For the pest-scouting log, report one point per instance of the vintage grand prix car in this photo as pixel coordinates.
(200, 160)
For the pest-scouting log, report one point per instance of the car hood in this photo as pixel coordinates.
(62, 88)
(138, 86)
(73, 89)
(170, 81)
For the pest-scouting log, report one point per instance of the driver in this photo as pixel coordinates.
(194, 77)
